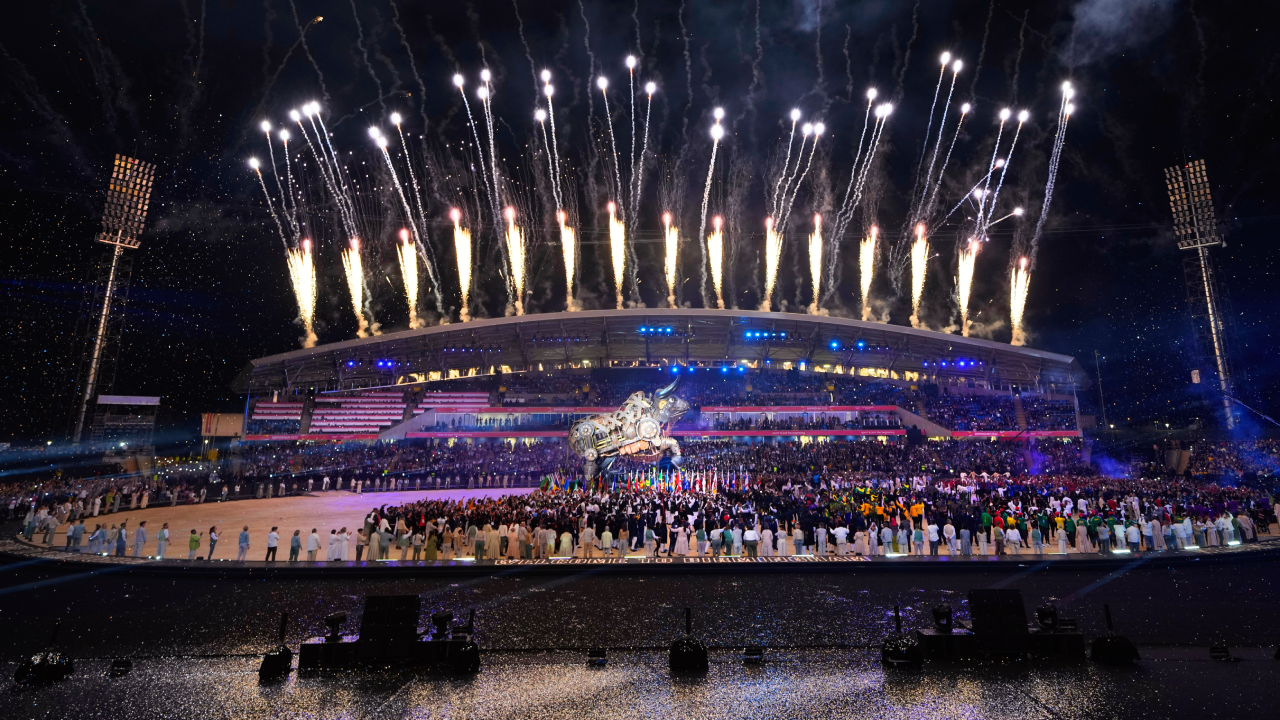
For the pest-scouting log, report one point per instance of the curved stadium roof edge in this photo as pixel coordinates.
(700, 333)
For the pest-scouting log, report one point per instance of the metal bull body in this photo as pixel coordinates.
(633, 429)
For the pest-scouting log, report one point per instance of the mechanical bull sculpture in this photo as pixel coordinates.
(633, 429)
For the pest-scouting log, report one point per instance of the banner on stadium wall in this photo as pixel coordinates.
(788, 433)
(351, 436)
(801, 408)
(1008, 434)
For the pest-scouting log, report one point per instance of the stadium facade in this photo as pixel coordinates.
(390, 368)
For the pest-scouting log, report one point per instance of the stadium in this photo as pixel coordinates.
(747, 374)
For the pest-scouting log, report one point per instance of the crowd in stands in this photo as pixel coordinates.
(1045, 414)
(1234, 458)
(973, 412)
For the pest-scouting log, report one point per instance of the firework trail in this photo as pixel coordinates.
(569, 248)
(617, 249)
(671, 237)
(942, 125)
(603, 84)
(772, 253)
(462, 250)
(381, 141)
(638, 192)
(515, 252)
(984, 224)
(777, 187)
(937, 90)
(815, 262)
(354, 268)
(779, 203)
(257, 170)
(490, 190)
(818, 129)
(408, 257)
(717, 132)
(548, 90)
(991, 168)
(631, 84)
(715, 255)
(919, 272)
(853, 174)
(851, 201)
(484, 92)
(1064, 114)
(302, 273)
(322, 163)
(421, 220)
(289, 202)
(964, 281)
(933, 195)
(1019, 284)
(284, 197)
(541, 116)
(867, 268)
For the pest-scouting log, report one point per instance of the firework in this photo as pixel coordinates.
(462, 250)
(867, 268)
(964, 281)
(603, 84)
(919, 271)
(302, 273)
(569, 248)
(408, 257)
(717, 132)
(1019, 284)
(617, 249)
(354, 267)
(672, 237)
(715, 255)
(786, 163)
(772, 253)
(817, 129)
(815, 262)
(515, 252)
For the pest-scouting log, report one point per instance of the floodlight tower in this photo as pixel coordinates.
(128, 195)
(1195, 226)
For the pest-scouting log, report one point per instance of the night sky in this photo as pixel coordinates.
(185, 85)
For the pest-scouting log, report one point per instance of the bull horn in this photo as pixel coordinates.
(668, 389)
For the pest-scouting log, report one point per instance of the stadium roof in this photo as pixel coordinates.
(650, 337)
